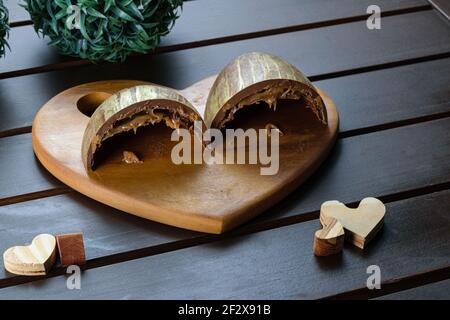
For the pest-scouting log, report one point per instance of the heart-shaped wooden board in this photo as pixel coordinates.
(209, 198)
(33, 260)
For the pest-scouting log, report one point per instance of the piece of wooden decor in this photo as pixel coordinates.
(81, 135)
(360, 224)
(71, 249)
(33, 260)
(330, 239)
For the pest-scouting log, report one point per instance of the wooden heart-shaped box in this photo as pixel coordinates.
(210, 198)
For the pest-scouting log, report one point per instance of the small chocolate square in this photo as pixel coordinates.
(71, 249)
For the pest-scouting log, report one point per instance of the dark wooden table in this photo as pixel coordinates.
(392, 89)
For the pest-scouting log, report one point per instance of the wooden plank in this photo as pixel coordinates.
(434, 291)
(217, 10)
(391, 95)
(287, 15)
(274, 264)
(106, 231)
(17, 14)
(16, 156)
(353, 46)
(30, 51)
(377, 164)
(360, 106)
(443, 6)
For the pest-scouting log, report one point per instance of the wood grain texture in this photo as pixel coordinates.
(17, 14)
(392, 95)
(71, 249)
(381, 118)
(368, 153)
(423, 148)
(399, 39)
(287, 268)
(330, 239)
(210, 198)
(434, 291)
(106, 231)
(287, 15)
(442, 6)
(17, 157)
(360, 106)
(361, 224)
(30, 51)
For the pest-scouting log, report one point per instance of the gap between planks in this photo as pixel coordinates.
(392, 285)
(20, 23)
(442, 7)
(341, 135)
(333, 75)
(319, 24)
(395, 285)
(214, 41)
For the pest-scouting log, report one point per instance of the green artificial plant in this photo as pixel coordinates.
(103, 30)
(4, 28)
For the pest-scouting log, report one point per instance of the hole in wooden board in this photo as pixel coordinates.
(90, 102)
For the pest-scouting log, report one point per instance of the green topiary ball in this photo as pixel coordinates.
(4, 28)
(106, 30)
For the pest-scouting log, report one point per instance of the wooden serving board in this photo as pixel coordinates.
(207, 198)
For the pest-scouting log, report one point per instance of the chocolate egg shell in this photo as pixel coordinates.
(132, 108)
(258, 77)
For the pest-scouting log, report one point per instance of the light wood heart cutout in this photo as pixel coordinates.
(210, 198)
(360, 224)
(33, 260)
(330, 239)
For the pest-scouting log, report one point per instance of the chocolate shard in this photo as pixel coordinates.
(258, 77)
(130, 157)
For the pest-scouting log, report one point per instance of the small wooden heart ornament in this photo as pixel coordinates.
(33, 260)
(330, 239)
(360, 224)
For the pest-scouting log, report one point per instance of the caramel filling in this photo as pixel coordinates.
(141, 121)
(271, 94)
(173, 119)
